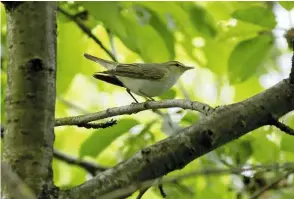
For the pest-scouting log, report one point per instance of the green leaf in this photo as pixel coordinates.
(172, 12)
(149, 44)
(190, 50)
(141, 33)
(257, 15)
(101, 138)
(217, 54)
(163, 31)
(108, 13)
(171, 94)
(288, 5)
(190, 117)
(264, 150)
(242, 30)
(222, 10)
(70, 49)
(287, 143)
(243, 151)
(247, 56)
(202, 21)
(239, 150)
(134, 142)
(57, 173)
(78, 176)
(179, 19)
(242, 90)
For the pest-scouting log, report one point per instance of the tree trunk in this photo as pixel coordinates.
(30, 95)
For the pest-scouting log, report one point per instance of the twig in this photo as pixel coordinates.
(141, 185)
(86, 30)
(282, 127)
(142, 192)
(224, 162)
(111, 41)
(98, 125)
(135, 108)
(269, 186)
(183, 90)
(183, 188)
(72, 105)
(162, 193)
(16, 187)
(92, 168)
(2, 131)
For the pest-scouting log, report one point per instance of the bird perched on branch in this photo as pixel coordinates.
(144, 79)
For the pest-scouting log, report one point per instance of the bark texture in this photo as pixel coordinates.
(223, 125)
(30, 95)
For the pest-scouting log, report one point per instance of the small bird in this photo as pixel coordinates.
(144, 79)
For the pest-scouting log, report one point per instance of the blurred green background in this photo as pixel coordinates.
(238, 49)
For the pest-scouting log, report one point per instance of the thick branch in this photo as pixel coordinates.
(134, 108)
(88, 32)
(223, 125)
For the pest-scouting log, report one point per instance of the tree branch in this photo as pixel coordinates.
(134, 108)
(292, 66)
(87, 31)
(282, 127)
(92, 168)
(111, 41)
(72, 105)
(102, 125)
(223, 125)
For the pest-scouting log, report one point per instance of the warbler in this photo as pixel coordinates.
(144, 79)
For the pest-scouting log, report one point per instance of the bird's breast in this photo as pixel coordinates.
(150, 88)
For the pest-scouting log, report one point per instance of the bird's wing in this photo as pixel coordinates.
(109, 79)
(138, 71)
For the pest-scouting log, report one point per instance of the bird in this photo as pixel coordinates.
(144, 79)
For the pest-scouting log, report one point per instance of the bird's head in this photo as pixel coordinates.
(176, 66)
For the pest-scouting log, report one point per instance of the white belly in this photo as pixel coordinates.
(149, 87)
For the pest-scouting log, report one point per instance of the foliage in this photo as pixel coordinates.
(235, 55)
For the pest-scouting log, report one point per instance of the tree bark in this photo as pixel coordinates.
(30, 95)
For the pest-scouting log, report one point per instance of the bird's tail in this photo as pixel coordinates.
(105, 63)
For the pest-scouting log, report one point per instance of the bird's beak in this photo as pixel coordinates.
(188, 67)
